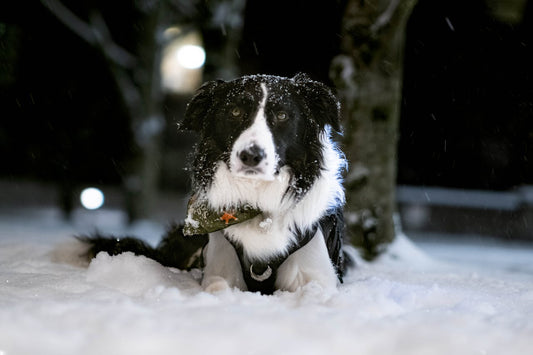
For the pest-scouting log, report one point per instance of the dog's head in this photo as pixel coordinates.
(258, 124)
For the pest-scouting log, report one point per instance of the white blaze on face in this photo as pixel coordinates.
(256, 140)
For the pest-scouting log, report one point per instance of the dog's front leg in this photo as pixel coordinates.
(222, 267)
(310, 263)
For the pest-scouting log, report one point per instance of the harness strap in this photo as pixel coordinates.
(261, 275)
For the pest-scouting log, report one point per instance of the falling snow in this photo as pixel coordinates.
(449, 23)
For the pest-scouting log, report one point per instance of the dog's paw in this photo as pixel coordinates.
(214, 284)
(291, 276)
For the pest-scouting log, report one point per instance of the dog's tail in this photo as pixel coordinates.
(174, 249)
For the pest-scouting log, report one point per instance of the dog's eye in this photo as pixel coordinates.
(236, 112)
(281, 116)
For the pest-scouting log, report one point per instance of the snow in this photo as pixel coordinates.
(439, 299)
(266, 224)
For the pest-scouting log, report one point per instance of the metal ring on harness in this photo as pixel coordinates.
(265, 275)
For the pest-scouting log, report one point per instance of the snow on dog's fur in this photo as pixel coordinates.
(265, 143)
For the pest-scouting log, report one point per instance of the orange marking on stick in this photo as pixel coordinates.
(226, 217)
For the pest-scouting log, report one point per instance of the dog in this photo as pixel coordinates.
(267, 194)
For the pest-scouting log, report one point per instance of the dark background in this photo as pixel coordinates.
(467, 109)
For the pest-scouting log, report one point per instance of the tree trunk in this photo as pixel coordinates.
(368, 75)
(146, 119)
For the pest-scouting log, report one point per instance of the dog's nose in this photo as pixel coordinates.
(252, 155)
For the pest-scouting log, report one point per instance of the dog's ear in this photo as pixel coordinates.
(323, 104)
(199, 106)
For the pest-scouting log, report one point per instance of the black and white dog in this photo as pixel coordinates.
(265, 144)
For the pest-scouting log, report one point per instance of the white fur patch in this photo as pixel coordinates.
(227, 189)
(259, 135)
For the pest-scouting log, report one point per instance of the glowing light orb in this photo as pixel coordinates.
(191, 56)
(92, 198)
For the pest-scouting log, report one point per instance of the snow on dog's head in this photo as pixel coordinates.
(256, 127)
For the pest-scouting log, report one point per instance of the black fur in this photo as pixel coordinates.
(333, 229)
(174, 249)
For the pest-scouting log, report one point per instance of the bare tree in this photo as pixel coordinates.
(368, 75)
(138, 82)
(138, 79)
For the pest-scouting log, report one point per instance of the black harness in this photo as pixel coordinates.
(260, 276)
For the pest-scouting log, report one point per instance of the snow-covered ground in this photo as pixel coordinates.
(441, 299)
